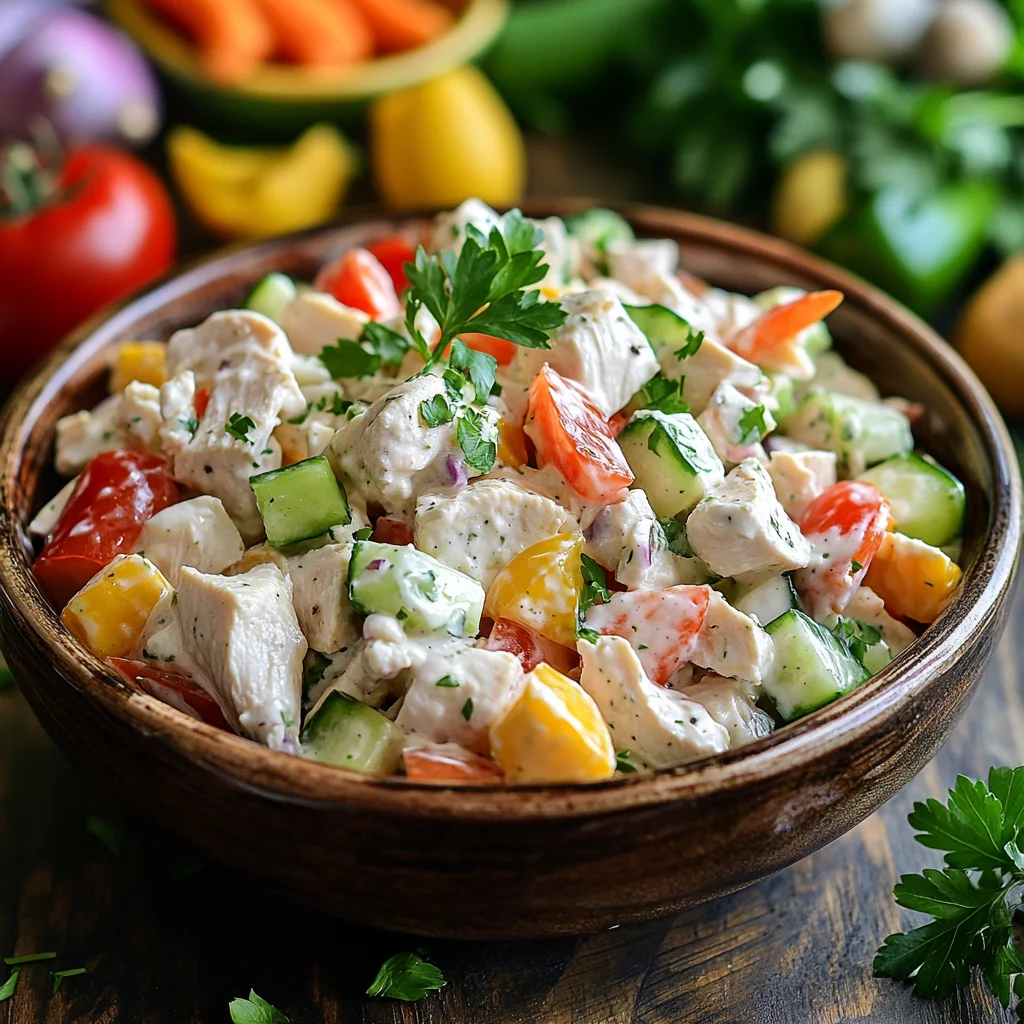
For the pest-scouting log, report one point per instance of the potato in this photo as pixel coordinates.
(988, 335)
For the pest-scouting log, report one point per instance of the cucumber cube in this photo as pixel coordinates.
(767, 601)
(272, 295)
(347, 733)
(300, 501)
(663, 328)
(672, 459)
(415, 588)
(812, 667)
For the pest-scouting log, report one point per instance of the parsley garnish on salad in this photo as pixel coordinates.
(480, 453)
(664, 394)
(436, 411)
(692, 346)
(595, 586)
(752, 425)
(255, 1010)
(407, 977)
(623, 763)
(238, 426)
(972, 900)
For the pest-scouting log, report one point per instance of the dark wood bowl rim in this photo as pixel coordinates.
(786, 752)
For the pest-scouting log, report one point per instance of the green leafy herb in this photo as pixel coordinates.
(339, 405)
(190, 423)
(467, 709)
(114, 835)
(406, 976)
(480, 453)
(388, 344)
(436, 411)
(675, 537)
(255, 1010)
(347, 358)
(623, 763)
(855, 566)
(753, 426)
(59, 976)
(595, 585)
(8, 987)
(590, 635)
(664, 394)
(478, 368)
(484, 288)
(979, 831)
(29, 958)
(238, 426)
(364, 534)
(858, 636)
(447, 681)
(692, 346)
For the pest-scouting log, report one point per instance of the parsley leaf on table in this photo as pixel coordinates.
(8, 987)
(255, 1010)
(972, 899)
(406, 976)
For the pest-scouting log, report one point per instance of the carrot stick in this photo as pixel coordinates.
(404, 24)
(232, 34)
(783, 323)
(325, 33)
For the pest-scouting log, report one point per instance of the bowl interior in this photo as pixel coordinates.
(960, 427)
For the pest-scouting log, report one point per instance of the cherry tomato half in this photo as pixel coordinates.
(177, 690)
(530, 647)
(393, 253)
(358, 280)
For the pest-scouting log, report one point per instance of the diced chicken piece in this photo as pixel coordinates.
(163, 645)
(662, 626)
(243, 633)
(388, 456)
(730, 311)
(710, 366)
(599, 347)
(732, 644)
(799, 477)
(450, 227)
(736, 425)
(733, 704)
(833, 374)
(129, 420)
(314, 320)
(867, 607)
(648, 267)
(46, 518)
(622, 292)
(320, 595)
(628, 539)
(455, 697)
(657, 726)
(741, 530)
(198, 533)
(481, 528)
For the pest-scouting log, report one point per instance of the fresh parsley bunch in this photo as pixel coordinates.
(972, 900)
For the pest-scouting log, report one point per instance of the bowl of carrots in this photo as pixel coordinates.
(265, 66)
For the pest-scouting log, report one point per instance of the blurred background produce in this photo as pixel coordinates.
(886, 134)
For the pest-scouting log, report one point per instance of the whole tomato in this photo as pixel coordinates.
(73, 239)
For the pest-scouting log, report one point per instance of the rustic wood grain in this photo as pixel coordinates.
(166, 950)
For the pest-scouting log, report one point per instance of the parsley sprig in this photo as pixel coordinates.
(254, 1010)
(407, 977)
(972, 900)
(238, 426)
(485, 289)
(753, 425)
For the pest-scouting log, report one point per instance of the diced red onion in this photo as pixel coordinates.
(377, 563)
(457, 473)
(644, 554)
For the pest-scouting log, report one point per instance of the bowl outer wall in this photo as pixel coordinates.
(530, 861)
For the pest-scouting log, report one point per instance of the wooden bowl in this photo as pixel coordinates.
(284, 98)
(513, 863)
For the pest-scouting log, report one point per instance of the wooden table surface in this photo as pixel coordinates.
(167, 940)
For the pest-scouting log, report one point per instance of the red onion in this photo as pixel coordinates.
(376, 564)
(80, 75)
(644, 552)
(457, 472)
(598, 526)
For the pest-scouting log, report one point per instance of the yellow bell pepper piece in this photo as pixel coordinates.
(914, 579)
(108, 614)
(553, 733)
(256, 193)
(447, 140)
(540, 587)
(512, 444)
(144, 361)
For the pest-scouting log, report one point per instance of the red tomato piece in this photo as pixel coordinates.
(780, 325)
(178, 691)
(452, 764)
(502, 350)
(116, 493)
(201, 401)
(663, 626)
(571, 434)
(393, 253)
(357, 279)
(530, 648)
(845, 525)
(388, 530)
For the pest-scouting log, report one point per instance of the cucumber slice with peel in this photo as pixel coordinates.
(663, 328)
(271, 295)
(300, 502)
(347, 733)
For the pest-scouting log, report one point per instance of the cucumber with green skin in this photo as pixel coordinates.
(769, 600)
(927, 502)
(300, 502)
(347, 733)
(414, 587)
(672, 459)
(663, 328)
(812, 667)
(272, 295)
